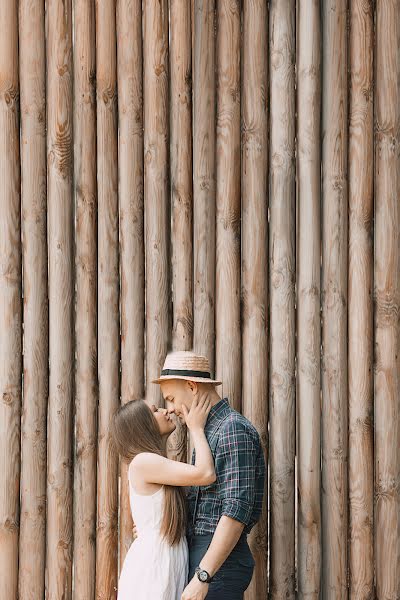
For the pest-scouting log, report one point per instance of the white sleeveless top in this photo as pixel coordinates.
(152, 568)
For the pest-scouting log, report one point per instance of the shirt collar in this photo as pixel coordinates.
(218, 412)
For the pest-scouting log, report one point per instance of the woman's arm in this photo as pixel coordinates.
(153, 468)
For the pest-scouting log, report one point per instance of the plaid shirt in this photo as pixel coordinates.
(240, 469)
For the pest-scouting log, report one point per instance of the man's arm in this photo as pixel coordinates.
(225, 538)
(235, 464)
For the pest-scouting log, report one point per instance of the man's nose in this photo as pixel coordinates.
(171, 410)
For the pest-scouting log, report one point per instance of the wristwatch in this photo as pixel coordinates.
(202, 575)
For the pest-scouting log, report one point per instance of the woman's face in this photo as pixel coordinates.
(164, 421)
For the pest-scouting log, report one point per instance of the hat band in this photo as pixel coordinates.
(203, 374)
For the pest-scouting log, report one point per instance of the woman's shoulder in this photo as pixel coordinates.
(144, 459)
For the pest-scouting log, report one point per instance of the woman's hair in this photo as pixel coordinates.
(134, 429)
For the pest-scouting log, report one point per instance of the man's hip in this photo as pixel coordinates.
(234, 577)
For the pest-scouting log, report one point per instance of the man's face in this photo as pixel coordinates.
(177, 392)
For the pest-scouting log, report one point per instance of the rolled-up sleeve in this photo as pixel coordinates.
(235, 463)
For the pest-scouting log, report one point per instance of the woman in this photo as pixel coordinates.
(156, 564)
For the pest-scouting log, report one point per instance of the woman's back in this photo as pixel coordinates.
(147, 510)
(152, 568)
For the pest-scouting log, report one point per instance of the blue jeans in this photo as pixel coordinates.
(233, 578)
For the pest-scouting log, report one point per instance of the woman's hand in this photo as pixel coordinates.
(196, 417)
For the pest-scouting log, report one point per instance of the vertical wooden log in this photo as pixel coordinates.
(181, 191)
(156, 191)
(387, 299)
(108, 299)
(282, 278)
(32, 542)
(227, 288)
(10, 301)
(130, 100)
(181, 173)
(86, 392)
(334, 300)
(308, 299)
(60, 247)
(360, 326)
(204, 178)
(255, 253)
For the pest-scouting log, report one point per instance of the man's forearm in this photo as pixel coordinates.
(225, 538)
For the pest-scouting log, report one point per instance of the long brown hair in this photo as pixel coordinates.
(134, 430)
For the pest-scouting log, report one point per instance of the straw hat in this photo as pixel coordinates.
(186, 365)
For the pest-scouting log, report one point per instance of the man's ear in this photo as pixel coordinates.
(193, 387)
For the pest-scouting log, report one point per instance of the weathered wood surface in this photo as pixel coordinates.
(360, 325)
(387, 301)
(32, 540)
(10, 300)
(156, 191)
(86, 389)
(61, 292)
(131, 226)
(227, 284)
(308, 299)
(254, 246)
(108, 299)
(282, 275)
(334, 300)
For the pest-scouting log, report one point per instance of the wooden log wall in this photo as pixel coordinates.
(308, 300)
(216, 175)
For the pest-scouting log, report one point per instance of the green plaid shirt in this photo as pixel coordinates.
(240, 469)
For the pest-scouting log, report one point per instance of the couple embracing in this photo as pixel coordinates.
(191, 544)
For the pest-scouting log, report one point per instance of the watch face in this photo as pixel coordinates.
(203, 576)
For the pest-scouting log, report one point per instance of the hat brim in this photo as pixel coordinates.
(186, 378)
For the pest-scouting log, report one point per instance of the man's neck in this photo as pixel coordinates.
(214, 397)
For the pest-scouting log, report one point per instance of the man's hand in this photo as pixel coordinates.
(134, 533)
(195, 590)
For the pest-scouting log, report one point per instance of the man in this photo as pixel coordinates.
(223, 513)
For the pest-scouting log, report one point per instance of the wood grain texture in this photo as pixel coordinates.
(32, 542)
(282, 298)
(156, 191)
(204, 133)
(108, 299)
(360, 313)
(387, 300)
(181, 173)
(60, 249)
(181, 192)
(254, 245)
(308, 299)
(334, 300)
(86, 389)
(227, 286)
(130, 115)
(10, 301)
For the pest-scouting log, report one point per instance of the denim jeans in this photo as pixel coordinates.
(233, 578)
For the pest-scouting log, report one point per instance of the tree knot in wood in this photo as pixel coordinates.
(277, 59)
(11, 97)
(9, 397)
(63, 149)
(387, 308)
(159, 69)
(11, 525)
